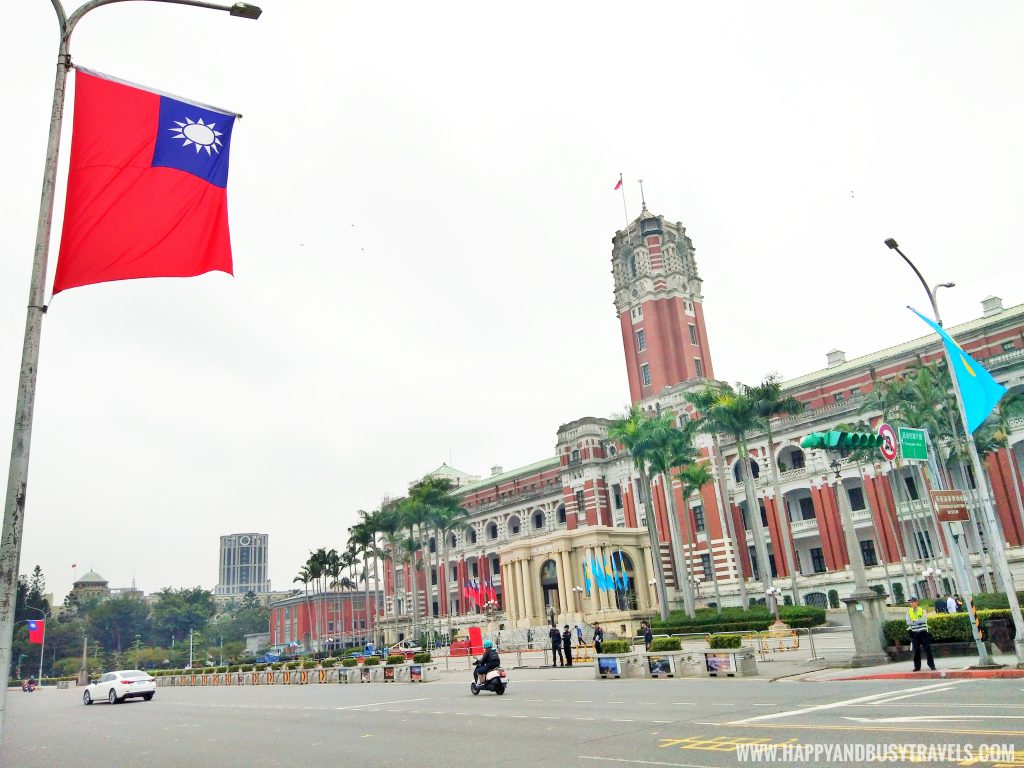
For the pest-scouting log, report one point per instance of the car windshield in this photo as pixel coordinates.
(133, 673)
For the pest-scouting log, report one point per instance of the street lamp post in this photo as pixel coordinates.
(995, 547)
(17, 478)
(578, 592)
(933, 575)
(773, 594)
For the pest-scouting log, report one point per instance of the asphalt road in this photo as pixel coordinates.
(547, 718)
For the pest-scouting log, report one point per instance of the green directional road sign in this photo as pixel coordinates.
(912, 444)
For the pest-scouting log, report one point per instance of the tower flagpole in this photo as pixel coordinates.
(625, 211)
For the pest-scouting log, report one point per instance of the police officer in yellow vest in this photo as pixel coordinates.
(917, 628)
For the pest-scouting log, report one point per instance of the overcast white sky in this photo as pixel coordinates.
(421, 208)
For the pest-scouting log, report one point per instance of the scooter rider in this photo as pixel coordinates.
(487, 662)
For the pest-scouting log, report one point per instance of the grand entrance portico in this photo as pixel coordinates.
(549, 578)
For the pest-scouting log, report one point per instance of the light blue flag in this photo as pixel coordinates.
(980, 392)
(586, 577)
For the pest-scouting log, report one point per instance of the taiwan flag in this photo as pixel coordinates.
(147, 186)
(36, 630)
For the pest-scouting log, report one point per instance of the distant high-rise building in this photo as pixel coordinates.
(243, 564)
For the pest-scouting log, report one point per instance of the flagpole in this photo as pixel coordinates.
(625, 211)
(995, 547)
(17, 476)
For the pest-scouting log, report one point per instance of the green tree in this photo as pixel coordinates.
(669, 449)
(177, 611)
(735, 413)
(115, 622)
(770, 402)
(633, 432)
(702, 400)
(692, 478)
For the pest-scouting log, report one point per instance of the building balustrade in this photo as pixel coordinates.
(804, 526)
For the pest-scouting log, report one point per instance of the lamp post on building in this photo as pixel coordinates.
(987, 512)
(933, 575)
(773, 594)
(578, 592)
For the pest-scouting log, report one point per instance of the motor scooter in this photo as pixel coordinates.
(496, 680)
(28, 685)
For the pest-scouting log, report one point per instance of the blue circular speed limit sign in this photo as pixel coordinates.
(889, 442)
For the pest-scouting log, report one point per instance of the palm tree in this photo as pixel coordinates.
(414, 514)
(389, 523)
(692, 478)
(734, 413)
(702, 401)
(671, 448)
(305, 577)
(361, 536)
(632, 430)
(770, 402)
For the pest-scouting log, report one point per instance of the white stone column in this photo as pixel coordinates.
(528, 591)
(563, 592)
(570, 596)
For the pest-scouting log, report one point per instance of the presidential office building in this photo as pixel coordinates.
(534, 528)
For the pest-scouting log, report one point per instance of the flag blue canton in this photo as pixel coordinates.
(32, 626)
(193, 139)
(979, 391)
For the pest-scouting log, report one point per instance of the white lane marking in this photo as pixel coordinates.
(834, 705)
(638, 762)
(379, 704)
(905, 696)
(933, 718)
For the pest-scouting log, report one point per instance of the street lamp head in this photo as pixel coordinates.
(892, 243)
(246, 11)
(946, 285)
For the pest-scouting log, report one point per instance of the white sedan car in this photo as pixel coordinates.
(115, 687)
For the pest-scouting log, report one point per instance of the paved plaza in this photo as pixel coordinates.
(549, 717)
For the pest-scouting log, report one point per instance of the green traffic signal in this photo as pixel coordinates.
(836, 440)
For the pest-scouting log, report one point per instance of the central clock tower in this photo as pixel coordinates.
(659, 303)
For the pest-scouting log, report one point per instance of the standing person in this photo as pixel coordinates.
(960, 607)
(951, 606)
(567, 645)
(579, 635)
(648, 635)
(556, 647)
(529, 639)
(598, 637)
(940, 604)
(917, 628)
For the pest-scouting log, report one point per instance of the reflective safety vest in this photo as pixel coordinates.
(916, 621)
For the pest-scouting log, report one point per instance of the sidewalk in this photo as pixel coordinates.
(957, 667)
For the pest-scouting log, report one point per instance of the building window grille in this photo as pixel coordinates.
(645, 375)
(693, 334)
(867, 552)
(698, 367)
(818, 560)
(641, 340)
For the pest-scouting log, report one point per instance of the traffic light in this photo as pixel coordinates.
(836, 440)
(973, 613)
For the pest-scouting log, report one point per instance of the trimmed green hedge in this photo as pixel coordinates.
(371, 661)
(328, 663)
(666, 644)
(724, 641)
(351, 661)
(944, 628)
(421, 658)
(987, 600)
(708, 620)
(397, 659)
(616, 646)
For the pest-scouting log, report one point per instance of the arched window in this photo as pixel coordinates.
(471, 535)
(513, 525)
(432, 545)
(538, 520)
(492, 531)
(737, 471)
(561, 514)
(454, 541)
(817, 599)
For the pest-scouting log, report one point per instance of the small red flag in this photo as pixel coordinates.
(618, 184)
(147, 186)
(35, 630)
